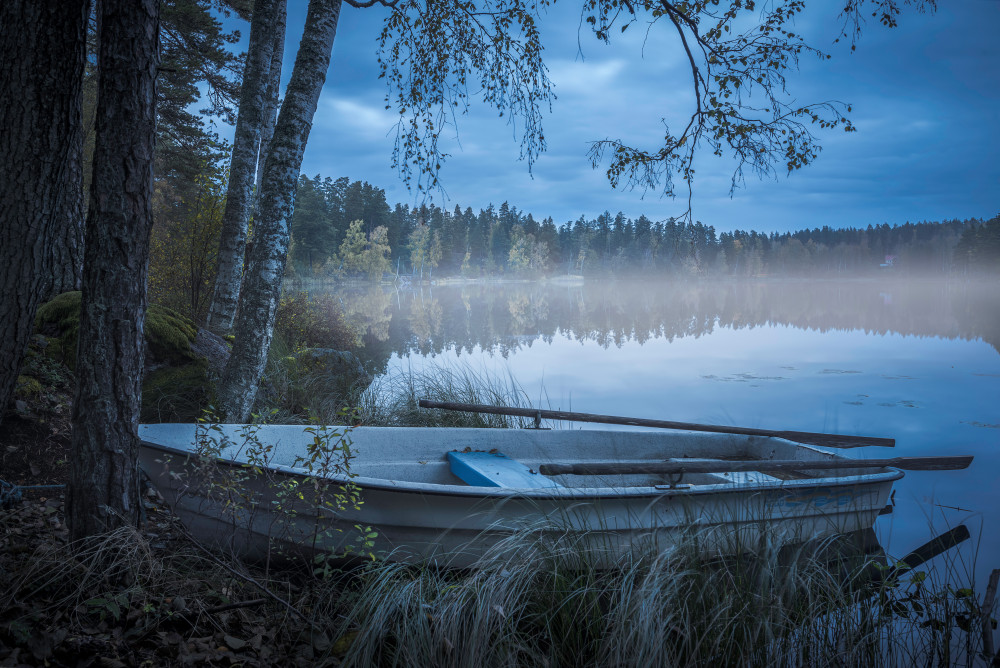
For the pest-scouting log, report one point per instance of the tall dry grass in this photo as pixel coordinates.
(532, 604)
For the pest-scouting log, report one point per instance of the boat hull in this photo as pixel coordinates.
(247, 510)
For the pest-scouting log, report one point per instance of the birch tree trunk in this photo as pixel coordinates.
(42, 55)
(242, 168)
(270, 118)
(271, 96)
(266, 267)
(103, 489)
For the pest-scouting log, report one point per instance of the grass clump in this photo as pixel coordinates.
(154, 597)
(177, 393)
(536, 604)
(391, 400)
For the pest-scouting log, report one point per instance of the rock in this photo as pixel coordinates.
(168, 334)
(181, 370)
(213, 349)
(181, 361)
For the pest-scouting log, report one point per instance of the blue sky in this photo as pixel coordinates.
(924, 96)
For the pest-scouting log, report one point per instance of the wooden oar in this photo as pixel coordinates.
(875, 574)
(676, 466)
(827, 440)
(931, 549)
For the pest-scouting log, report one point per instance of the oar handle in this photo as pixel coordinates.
(812, 438)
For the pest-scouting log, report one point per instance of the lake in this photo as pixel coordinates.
(918, 361)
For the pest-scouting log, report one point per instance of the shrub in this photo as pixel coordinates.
(314, 321)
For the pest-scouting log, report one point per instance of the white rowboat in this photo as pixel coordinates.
(428, 505)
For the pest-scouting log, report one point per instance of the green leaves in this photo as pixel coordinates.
(739, 59)
(430, 50)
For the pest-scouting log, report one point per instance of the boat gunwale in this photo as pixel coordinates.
(574, 493)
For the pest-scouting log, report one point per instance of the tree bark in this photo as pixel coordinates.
(243, 167)
(271, 96)
(103, 489)
(42, 55)
(270, 117)
(262, 281)
(66, 249)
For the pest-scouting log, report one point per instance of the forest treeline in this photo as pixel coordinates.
(505, 241)
(347, 229)
(342, 229)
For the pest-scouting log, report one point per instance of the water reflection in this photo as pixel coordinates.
(917, 361)
(503, 318)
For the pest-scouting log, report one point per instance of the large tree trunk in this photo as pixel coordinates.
(66, 249)
(262, 282)
(243, 166)
(42, 55)
(103, 490)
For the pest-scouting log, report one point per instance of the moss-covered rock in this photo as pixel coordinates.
(168, 333)
(59, 321)
(178, 382)
(27, 387)
(177, 393)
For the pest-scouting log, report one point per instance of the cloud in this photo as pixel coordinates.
(369, 121)
(584, 78)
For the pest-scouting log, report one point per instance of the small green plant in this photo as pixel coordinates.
(113, 605)
(298, 507)
(326, 489)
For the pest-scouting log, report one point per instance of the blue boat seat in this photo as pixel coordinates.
(495, 469)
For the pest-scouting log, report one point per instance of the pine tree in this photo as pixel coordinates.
(42, 55)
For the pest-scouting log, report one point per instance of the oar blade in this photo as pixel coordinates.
(933, 463)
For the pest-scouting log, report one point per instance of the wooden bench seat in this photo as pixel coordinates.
(495, 469)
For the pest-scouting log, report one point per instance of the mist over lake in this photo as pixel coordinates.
(915, 360)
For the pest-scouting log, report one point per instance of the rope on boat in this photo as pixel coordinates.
(11, 493)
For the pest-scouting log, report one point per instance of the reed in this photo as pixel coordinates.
(534, 603)
(392, 399)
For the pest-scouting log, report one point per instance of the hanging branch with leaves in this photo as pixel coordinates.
(435, 54)
(739, 67)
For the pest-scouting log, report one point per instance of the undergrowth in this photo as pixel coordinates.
(537, 604)
(156, 597)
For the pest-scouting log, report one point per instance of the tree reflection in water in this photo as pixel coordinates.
(502, 318)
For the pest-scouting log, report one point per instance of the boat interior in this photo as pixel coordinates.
(511, 457)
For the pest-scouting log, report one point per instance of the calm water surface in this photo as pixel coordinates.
(917, 361)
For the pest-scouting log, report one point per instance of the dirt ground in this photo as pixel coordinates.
(142, 597)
